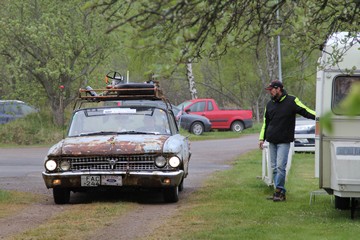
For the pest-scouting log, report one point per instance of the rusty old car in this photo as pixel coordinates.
(115, 147)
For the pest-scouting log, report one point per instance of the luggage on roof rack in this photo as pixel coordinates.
(125, 91)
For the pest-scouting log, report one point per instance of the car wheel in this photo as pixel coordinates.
(171, 194)
(197, 128)
(342, 203)
(61, 195)
(237, 126)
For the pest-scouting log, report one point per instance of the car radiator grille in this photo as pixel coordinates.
(122, 163)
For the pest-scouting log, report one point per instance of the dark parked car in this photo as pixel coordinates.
(304, 134)
(14, 109)
(193, 123)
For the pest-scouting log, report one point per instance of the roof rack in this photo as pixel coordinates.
(124, 91)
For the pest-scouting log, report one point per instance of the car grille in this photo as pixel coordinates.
(118, 163)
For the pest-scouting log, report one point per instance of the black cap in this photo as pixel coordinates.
(275, 84)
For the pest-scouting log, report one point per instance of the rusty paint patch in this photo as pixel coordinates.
(105, 145)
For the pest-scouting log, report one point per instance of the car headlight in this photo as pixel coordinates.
(174, 162)
(64, 165)
(50, 165)
(160, 161)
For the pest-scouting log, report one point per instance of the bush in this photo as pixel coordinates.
(36, 128)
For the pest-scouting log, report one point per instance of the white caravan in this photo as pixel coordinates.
(338, 152)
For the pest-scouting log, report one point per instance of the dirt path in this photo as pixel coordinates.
(208, 156)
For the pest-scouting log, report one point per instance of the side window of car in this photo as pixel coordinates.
(26, 109)
(2, 108)
(210, 106)
(198, 107)
(14, 109)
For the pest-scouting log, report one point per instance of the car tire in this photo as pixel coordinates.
(237, 126)
(197, 128)
(61, 195)
(171, 194)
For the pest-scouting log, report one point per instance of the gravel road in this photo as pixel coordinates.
(207, 157)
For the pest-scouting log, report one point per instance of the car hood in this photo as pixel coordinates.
(116, 144)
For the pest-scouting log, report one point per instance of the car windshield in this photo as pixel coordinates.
(119, 120)
(184, 104)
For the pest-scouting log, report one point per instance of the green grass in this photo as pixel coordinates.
(77, 222)
(215, 134)
(13, 201)
(233, 205)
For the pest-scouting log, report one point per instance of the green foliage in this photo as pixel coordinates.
(350, 105)
(53, 43)
(34, 129)
(50, 43)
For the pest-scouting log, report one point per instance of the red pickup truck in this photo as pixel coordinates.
(236, 120)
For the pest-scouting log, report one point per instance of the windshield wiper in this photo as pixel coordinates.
(99, 133)
(115, 133)
(135, 132)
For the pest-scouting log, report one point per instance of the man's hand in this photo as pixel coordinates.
(261, 144)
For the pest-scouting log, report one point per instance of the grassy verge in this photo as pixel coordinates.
(77, 222)
(221, 134)
(233, 205)
(12, 201)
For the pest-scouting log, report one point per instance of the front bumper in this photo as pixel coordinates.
(154, 179)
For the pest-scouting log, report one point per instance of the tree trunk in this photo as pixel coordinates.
(190, 78)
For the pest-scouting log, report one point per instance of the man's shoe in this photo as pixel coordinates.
(279, 197)
(276, 194)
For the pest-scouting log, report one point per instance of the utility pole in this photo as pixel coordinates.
(279, 46)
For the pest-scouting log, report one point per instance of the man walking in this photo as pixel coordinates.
(278, 129)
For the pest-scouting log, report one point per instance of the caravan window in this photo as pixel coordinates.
(341, 88)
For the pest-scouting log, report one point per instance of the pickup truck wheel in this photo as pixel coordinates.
(197, 128)
(237, 126)
(61, 195)
(171, 194)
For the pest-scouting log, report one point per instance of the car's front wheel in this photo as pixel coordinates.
(171, 194)
(61, 195)
(237, 126)
(197, 128)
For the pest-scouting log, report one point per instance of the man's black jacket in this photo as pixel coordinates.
(279, 118)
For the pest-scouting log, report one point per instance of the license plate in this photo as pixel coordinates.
(90, 181)
(111, 180)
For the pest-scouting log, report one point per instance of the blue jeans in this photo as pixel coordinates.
(278, 159)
